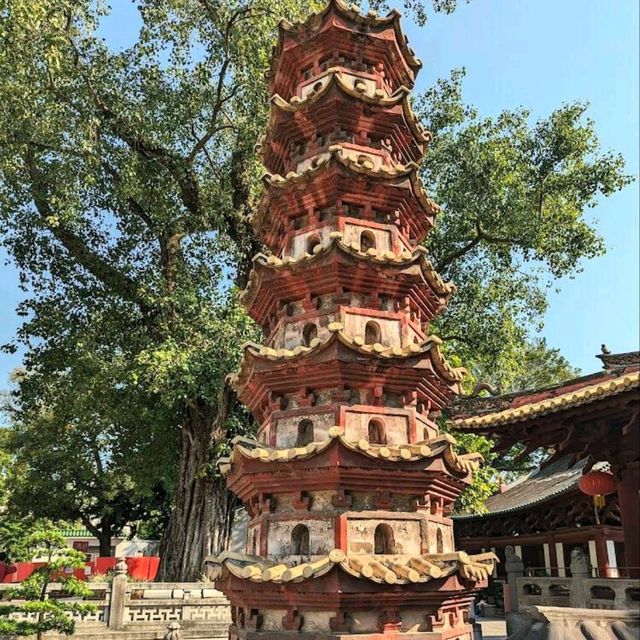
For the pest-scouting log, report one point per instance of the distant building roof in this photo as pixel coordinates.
(76, 533)
(539, 486)
(621, 373)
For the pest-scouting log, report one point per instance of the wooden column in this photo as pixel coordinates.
(553, 557)
(629, 500)
(604, 570)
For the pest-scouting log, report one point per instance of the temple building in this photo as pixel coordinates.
(584, 423)
(349, 485)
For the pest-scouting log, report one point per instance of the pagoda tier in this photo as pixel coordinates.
(341, 109)
(418, 371)
(341, 274)
(378, 589)
(406, 476)
(371, 46)
(343, 184)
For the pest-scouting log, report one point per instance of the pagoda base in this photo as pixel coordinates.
(464, 632)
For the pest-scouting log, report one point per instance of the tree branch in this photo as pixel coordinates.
(220, 98)
(102, 270)
(481, 236)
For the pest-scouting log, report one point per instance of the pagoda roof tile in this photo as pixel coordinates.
(348, 86)
(419, 255)
(350, 13)
(441, 446)
(431, 347)
(357, 161)
(382, 569)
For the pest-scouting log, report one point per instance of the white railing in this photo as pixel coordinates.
(147, 606)
(584, 593)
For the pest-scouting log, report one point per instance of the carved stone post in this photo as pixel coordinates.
(515, 569)
(173, 632)
(580, 571)
(118, 599)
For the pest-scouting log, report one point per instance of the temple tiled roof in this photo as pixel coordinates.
(524, 407)
(543, 484)
(383, 569)
(76, 533)
(441, 446)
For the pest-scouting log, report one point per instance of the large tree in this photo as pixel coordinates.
(126, 181)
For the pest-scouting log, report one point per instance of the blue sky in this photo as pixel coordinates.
(537, 55)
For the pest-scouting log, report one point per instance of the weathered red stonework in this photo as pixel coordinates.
(349, 486)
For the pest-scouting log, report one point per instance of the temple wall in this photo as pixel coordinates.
(446, 531)
(352, 234)
(272, 619)
(425, 429)
(290, 334)
(317, 621)
(390, 329)
(298, 247)
(406, 533)
(365, 622)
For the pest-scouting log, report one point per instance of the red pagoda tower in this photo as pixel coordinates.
(349, 485)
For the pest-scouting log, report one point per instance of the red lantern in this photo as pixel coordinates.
(597, 484)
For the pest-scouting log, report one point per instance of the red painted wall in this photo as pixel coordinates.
(142, 568)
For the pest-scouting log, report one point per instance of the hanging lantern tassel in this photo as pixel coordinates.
(598, 501)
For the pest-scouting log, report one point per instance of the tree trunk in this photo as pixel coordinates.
(104, 541)
(201, 518)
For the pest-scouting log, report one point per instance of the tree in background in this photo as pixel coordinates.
(126, 183)
(514, 195)
(75, 463)
(31, 596)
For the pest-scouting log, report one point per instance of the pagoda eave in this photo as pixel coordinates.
(334, 268)
(339, 591)
(350, 479)
(339, 362)
(293, 122)
(325, 465)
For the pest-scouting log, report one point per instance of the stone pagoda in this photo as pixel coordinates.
(349, 485)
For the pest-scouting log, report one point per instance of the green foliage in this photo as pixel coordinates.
(514, 197)
(31, 596)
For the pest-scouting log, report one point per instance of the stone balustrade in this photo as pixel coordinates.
(148, 607)
(584, 593)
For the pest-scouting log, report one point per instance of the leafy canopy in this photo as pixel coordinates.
(515, 196)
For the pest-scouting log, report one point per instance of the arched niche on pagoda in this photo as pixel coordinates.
(368, 237)
(310, 327)
(300, 536)
(313, 418)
